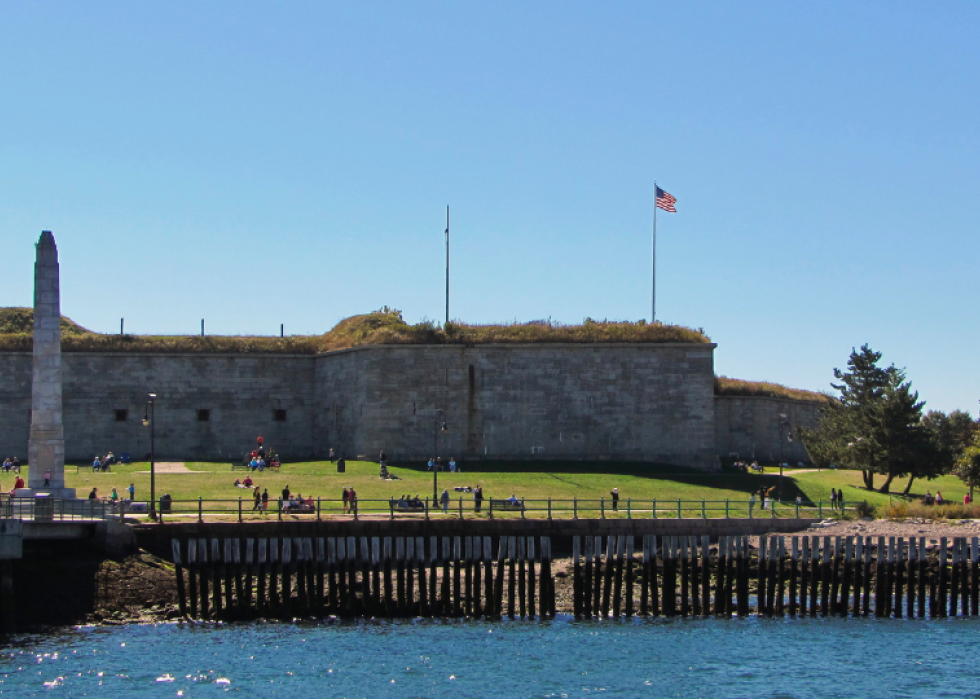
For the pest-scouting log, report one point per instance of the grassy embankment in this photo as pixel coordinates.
(383, 327)
(532, 481)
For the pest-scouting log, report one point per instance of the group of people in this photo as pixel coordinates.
(11, 464)
(103, 463)
(745, 467)
(837, 499)
(436, 464)
(349, 498)
(765, 497)
(938, 499)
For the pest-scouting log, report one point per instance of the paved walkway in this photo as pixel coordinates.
(171, 467)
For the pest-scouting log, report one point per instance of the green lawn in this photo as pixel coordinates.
(535, 482)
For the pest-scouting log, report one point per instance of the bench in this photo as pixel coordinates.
(405, 506)
(506, 505)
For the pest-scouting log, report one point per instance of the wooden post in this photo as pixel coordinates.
(333, 596)
(835, 577)
(286, 563)
(695, 579)
(729, 575)
(910, 579)
(742, 572)
(389, 603)
(705, 575)
(815, 576)
(423, 584)
(607, 572)
(262, 562)
(249, 572)
(880, 577)
(577, 576)
(192, 574)
(793, 563)
(468, 577)
(547, 581)
(400, 575)
(780, 576)
(682, 561)
(629, 576)
(596, 583)
(226, 568)
(899, 577)
(618, 582)
(446, 588)
(457, 555)
(204, 575)
(522, 576)
(845, 593)
(215, 559)
(825, 574)
(772, 573)
(943, 575)
(804, 573)
(434, 604)
(530, 577)
(763, 575)
(488, 608)
(498, 590)
(409, 609)
(866, 594)
(922, 574)
(341, 583)
(954, 582)
(321, 559)
(179, 572)
(974, 575)
(670, 575)
(236, 553)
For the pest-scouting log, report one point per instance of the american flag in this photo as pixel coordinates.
(666, 201)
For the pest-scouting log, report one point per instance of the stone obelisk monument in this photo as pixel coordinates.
(46, 448)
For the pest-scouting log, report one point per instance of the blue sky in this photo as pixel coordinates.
(264, 163)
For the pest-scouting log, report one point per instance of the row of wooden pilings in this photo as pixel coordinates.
(234, 578)
(796, 576)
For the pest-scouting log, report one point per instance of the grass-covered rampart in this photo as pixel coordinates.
(383, 327)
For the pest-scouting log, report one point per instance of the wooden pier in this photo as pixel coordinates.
(364, 577)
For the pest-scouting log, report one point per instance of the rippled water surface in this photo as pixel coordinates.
(717, 658)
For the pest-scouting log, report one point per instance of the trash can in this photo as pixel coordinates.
(341, 465)
(43, 507)
(165, 500)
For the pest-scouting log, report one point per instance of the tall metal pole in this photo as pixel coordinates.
(447, 264)
(153, 469)
(653, 275)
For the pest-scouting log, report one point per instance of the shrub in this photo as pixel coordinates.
(863, 508)
(725, 386)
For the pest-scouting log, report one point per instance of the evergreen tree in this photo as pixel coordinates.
(875, 426)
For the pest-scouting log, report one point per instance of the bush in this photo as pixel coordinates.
(863, 508)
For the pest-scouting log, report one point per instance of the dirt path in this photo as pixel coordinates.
(171, 467)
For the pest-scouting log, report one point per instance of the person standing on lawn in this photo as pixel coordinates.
(615, 498)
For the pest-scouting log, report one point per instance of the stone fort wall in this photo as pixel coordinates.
(572, 401)
(758, 427)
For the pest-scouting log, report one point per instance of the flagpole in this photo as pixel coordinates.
(447, 264)
(653, 275)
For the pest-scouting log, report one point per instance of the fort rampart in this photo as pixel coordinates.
(592, 401)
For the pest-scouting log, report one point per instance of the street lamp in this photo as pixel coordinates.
(438, 421)
(148, 415)
(782, 452)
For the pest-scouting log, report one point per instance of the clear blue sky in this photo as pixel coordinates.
(258, 163)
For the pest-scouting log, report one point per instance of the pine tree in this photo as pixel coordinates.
(874, 426)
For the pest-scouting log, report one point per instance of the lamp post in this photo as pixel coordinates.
(784, 424)
(148, 414)
(438, 421)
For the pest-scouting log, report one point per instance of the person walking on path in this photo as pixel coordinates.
(444, 499)
(615, 499)
(833, 498)
(352, 499)
(257, 497)
(265, 500)
(346, 499)
(132, 492)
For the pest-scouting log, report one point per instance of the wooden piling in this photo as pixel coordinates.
(522, 576)
(192, 575)
(815, 575)
(867, 581)
(629, 576)
(846, 575)
(531, 578)
(974, 575)
(943, 576)
(179, 573)
(684, 563)
(804, 573)
(705, 575)
(607, 575)
(457, 583)
(780, 576)
(498, 588)
(762, 586)
(899, 577)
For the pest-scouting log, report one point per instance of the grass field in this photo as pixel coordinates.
(642, 484)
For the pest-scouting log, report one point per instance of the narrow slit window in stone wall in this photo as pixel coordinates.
(204, 415)
(279, 415)
(121, 414)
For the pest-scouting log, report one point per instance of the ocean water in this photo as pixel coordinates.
(752, 658)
